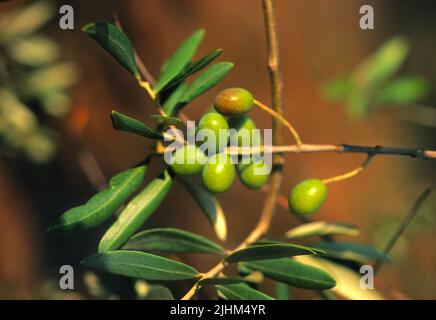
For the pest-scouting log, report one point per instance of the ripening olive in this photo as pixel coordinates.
(307, 196)
(214, 122)
(247, 135)
(233, 102)
(188, 160)
(254, 175)
(218, 174)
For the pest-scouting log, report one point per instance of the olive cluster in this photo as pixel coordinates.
(217, 170)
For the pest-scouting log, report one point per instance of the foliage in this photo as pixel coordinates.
(34, 80)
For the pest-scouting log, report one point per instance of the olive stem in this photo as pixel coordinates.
(281, 119)
(349, 174)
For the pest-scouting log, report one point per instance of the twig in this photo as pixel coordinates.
(276, 176)
(404, 224)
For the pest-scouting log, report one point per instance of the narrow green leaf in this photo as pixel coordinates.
(209, 205)
(293, 273)
(128, 124)
(219, 281)
(166, 119)
(171, 105)
(172, 240)
(347, 281)
(115, 42)
(270, 251)
(102, 205)
(241, 292)
(283, 291)
(383, 63)
(179, 60)
(140, 265)
(322, 228)
(402, 91)
(351, 251)
(194, 67)
(136, 213)
(206, 80)
(337, 90)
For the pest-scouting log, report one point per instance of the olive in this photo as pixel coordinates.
(251, 175)
(233, 102)
(188, 160)
(307, 196)
(218, 174)
(214, 122)
(246, 136)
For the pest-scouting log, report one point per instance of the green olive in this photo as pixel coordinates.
(307, 196)
(246, 135)
(233, 102)
(215, 122)
(251, 175)
(188, 160)
(218, 174)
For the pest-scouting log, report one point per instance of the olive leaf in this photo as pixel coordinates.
(241, 292)
(179, 60)
(102, 205)
(351, 251)
(171, 104)
(270, 251)
(206, 80)
(128, 124)
(172, 240)
(347, 281)
(209, 205)
(293, 273)
(283, 291)
(322, 228)
(140, 265)
(116, 43)
(136, 213)
(166, 119)
(219, 281)
(194, 67)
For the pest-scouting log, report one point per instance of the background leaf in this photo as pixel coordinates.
(322, 228)
(270, 251)
(406, 90)
(241, 292)
(116, 43)
(347, 281)
(140, 265)
(128, 124)
(179, 60)
(166, 119)
(102, 205)
(136, 213)
(210, 206)
(293, 273)
(158, 292)
(219, 281)
(206, 80)
(172, 240)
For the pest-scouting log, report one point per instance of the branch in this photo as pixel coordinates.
(404, 224)
(276, 175)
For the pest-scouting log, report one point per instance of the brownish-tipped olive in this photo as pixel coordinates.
(233, 102)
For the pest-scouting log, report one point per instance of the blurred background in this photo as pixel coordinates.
(57, 88)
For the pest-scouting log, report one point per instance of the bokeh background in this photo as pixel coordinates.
(320, 40)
